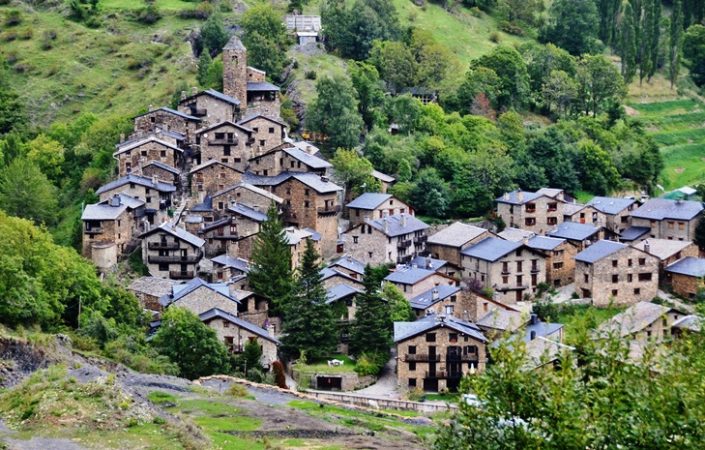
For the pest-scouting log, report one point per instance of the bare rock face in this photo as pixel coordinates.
(19, 359)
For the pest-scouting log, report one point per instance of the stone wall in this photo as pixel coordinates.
(679, 230)
(241, 248)
(389, 208)
(411, 291)
(245, 196)
(227, 144)
(211, 179)
(235, 74)
(533, 216)
(240, 336)
(257, 105)
(452, 254)
(204, 299)
(133, 160)
(616, 278)
(267, 133)
(209, 109)
(155, 171)
(685, 285)
(167, 121)
(154, 267)
(560, 265)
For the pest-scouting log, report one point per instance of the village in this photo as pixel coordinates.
(194, 184)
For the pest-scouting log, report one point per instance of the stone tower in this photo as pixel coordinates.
(235, 71)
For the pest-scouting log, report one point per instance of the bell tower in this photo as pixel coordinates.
(235, 71)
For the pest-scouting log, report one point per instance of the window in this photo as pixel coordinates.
(163, 154)
(553, 206)
(670, 225)
(637, 291)
(219, 136)
(615, 263)
(505, 266)
(271, 130)
(519, 280)
(530, 207)
(220, 205)
(412, 350)
(645, 276)
(534, 279)
(226, 150)
(614, 292)
(412, 382)
(630, 277)
(558, 265)
(681, 226)
(453, 337)
(505, 280)
(585, 277)
(355, 239)
(642, 261)
(144, 152)
(412, 366)
(307, 204)
(519, 268)
(163, 267)
(629, 262)
(552, 220)
(615, 278)
(261, 142)
(430, 337)
(529, 221)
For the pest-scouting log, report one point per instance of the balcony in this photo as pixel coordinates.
(163, 246)
(181, 274)
(198, 112)
(175, 259)
(421, 357)
(225, 141)
(403, 244)
(226, 236)
(328, 210)
(438, 374)
(471, 357)
(94, 230)
(535, 270)
(420, 240)
(164, 204)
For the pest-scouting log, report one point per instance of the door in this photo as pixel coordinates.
(519, 295)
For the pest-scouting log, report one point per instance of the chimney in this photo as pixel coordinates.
(115, 201)
(679, 201)
(122, 137)
(403, 219)
(151, 108)
(386, 225)
(324, 179)
(434, 294)
(155, 180)
(194, 90)
(506, 195)
(520, 196)
(532, 335)
(183, 95)
(647, 246)
(534, 319)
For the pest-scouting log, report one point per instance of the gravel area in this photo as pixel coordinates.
(386, 385)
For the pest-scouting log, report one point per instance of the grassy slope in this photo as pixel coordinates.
(676, 124)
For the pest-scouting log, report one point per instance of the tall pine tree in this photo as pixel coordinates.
(675, 41)
(372, 329)
(309, 324)
(204, 64)
(271, 274)
(654, 35)
(626, 40)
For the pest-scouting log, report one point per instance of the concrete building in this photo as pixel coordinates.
(510, 269)
(668, 219)
(374, 205)
(686, 276)
(614, 273)
(448, 243)
(394, 239)
(171, 252)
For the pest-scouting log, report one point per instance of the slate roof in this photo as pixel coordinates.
(690, 266)
(502, 319)
(206, 206)
(515, 234)
(633, 233)
(544, 243)
(240, 264)
(261, 87)
(312, 180)
(296, 235)
(234, 43)
(513, 198)
(131, 202)
(426, 299)
(103, 211)
(244, 210)
(350, 263)
(599, 250)
(428, 263)
(223, 123)
(541, 329)
(177, 232)
(171, 111)
(215, 224)
(491, 249)
(574, 231)
(383, 176)
(252, 188)
(163, 166)
(550, 192)
(571, 208)
(661, 208)
(611, 205)
(690, 322)
(329, 272)
(160, 186)
(306, 147)
(369, 200)
(662, 248)
(395, 226)
(154, 286)
(215, 94)
(180, 291)
(340, 291)
(251, 327)
(406, 330)
(312, 161)
(634, 319)
(212, 162)
(409, 275)
(254, 116)
(138, 143)
(456, 234)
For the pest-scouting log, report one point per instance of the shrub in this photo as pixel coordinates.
(475, 11)
(574, 296)
(149, 14)
(416, 394)
(370, 364)
(26, 34)
(495, 37)
(8, 36)
(238, 390)
(13, 18)
(310, 75)
(511, 28)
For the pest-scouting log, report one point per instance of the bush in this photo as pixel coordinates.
(511, 28)
(238, 390)
(13, 18)
(8, 36)
(310, 75)
(26, 34)
(495, 37)
(370, 364)
(149, 14)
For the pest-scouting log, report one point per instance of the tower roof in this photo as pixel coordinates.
(234, 44)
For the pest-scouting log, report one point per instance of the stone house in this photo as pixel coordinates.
(297, 239)
(511, 270)
(333, 276)
(224, 235)
(612, 213)
(385, 181)
(560, 259)
(575, 212)
(235, 332)
(349, 266)
(447, 243)
(444, 299)
(667, 251)
(437, 265)
(161, 171)
(612, 272)
(246, 194)
(247, 84)
(668, 219)
(149, 290)
(198, 296)
(538, 211)
(211, 177)
(171, 252)
(132, 157)
(228, 268)
(108, 228)
(226, 142)
(373, 205)
(156, 195)
(394, 239)
(166, 119)
(413, 281)
(210, 106)
(287, 158)
(310, 201)
(686, 276)
(341, 298)
(435, 352)
(268, 132)
(481, 305)
(578, 234)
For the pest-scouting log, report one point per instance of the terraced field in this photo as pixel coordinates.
(678, 126)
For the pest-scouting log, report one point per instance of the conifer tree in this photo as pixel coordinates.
(627, 46)
(676, 41)
(372, 329)
(309, 326)
(271, 274)
(654, 35)
(204, 63)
